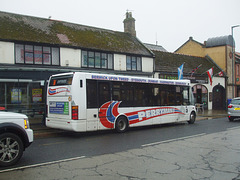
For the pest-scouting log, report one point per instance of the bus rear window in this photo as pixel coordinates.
(61, 80)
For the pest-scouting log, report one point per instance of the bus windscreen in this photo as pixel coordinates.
(61, 80)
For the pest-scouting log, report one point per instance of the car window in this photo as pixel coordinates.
(236, 101)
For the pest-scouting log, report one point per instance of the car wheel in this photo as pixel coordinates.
(230, 119)
(11, 149)
(192, 118)
(121, 124)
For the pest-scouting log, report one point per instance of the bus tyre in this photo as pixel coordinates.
(121, 124)
(11, 149)
(192, 118)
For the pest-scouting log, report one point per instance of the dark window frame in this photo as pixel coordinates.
(135, 63)
(104, 60)
(34, 55)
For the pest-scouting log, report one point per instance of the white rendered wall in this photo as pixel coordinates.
(7, 52)
(147, 64)
(70, 57)
(216, 81)
(120, 63)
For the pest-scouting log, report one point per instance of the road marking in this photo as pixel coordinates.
(233, 128)
(42, 164)
(171, 140)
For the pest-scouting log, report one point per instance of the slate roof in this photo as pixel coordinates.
(169, 62)
(155, 47)
(220, 41)
(15, 27)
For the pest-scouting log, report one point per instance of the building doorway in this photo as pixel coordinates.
(200, 93)
(219, 98)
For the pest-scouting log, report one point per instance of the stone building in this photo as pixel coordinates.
(219, 49)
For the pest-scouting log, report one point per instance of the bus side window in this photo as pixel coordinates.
(91, 94)
(104, 94)
(81, 84)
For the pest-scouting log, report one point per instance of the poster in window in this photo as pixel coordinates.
(38, 55)
(16, 96)
(37, 95)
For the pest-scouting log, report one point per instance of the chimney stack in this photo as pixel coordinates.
(129, 24)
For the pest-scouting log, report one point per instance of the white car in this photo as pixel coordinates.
(15, 136)
(234, 109)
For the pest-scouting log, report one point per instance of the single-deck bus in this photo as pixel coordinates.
(80, 102)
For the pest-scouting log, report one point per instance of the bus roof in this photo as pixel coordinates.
(126, 78)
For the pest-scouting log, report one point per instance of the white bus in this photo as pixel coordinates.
(83, 102)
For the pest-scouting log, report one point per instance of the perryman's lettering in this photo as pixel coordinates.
(154, 112)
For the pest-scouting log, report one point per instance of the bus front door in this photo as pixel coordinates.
(105, 106)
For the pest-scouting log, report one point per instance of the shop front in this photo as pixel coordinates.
(24, 92)
(21, 95)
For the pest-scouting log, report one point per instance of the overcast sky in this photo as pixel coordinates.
(169, 22)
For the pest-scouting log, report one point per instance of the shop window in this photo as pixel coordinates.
(24, 97)
(99, 60)
(38, 55)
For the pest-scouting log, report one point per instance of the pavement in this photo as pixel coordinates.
(41, 131)
(211, 114)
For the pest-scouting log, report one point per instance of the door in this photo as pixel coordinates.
(105, 105)
(199, 96)
(219, 97)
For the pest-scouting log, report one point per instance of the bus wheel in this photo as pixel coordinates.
(192, 118)
(121, 124)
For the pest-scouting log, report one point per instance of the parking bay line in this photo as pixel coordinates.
(171, 140)
(42, 164)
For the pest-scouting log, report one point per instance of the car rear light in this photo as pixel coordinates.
(75, 112)
(2, 108)
(230, 106)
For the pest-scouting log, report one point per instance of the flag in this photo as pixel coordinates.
(220, 73)
(180, 72)
(210, 75)
(193, 71)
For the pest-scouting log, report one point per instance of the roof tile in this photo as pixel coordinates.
(33, 29)
(169, 62)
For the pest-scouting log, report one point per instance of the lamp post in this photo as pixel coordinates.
(233, 61)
